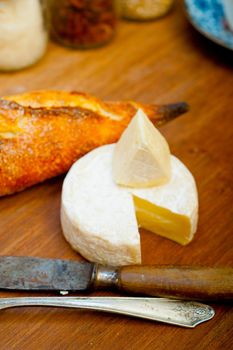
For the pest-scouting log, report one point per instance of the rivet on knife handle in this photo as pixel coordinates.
(176, 312)
(199, 283)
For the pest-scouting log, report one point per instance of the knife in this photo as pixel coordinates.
(176, 312)
(180, 282)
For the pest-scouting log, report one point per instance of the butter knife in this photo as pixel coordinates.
(176, 312)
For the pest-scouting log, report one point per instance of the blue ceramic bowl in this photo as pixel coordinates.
(208, 18)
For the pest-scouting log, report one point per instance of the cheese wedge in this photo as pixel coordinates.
(142, 156)
(100, 219)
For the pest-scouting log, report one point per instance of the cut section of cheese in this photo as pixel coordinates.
(141, 156)
(170, 210)
(163, 221)
(99, 218)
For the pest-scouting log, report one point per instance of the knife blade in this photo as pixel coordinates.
(38, 274)
(29, 273)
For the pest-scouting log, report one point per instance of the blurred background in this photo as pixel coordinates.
(48, 44)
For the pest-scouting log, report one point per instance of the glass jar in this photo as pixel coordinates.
(23, 33)
(144, 9)
(82, 23)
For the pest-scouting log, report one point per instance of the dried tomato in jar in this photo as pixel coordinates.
(82, 23)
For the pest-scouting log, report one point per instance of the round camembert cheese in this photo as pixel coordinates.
(100, 219)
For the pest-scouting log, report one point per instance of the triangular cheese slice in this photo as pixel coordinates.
(141, 157)
(99, 219)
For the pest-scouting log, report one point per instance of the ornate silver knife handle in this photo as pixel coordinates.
(176, 312)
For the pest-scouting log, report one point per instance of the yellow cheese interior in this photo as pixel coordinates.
(162, 221)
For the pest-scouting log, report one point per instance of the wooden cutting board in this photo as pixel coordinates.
(163, 61)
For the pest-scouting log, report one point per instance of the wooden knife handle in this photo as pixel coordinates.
(182, 282)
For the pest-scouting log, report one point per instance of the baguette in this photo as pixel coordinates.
(43, 133)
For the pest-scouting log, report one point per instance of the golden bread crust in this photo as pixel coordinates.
(43, 133)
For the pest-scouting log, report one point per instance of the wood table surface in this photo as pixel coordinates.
(162, 61)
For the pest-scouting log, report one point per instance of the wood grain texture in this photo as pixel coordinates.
(157, 62)
(184, 282)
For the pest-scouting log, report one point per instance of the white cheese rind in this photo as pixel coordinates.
(98, 217)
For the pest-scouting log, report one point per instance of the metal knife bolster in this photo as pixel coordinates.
(104, 277)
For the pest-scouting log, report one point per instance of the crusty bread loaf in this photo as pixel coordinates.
(42, 133)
